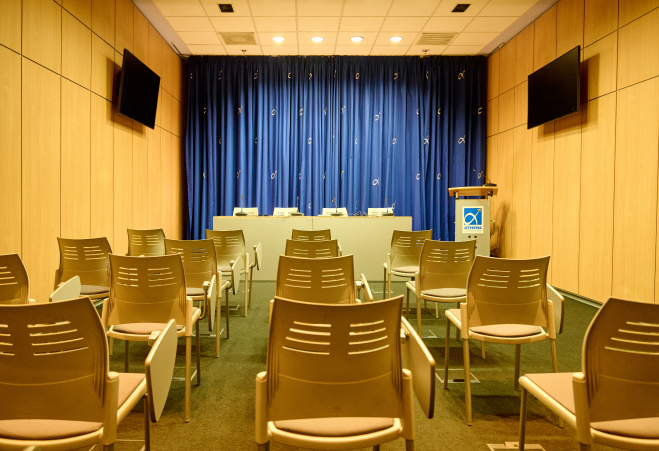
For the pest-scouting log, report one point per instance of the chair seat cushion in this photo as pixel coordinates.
(644, 428)
(406, 269)
(191, 291)
(335, 427)
(508, 330)
(443, 292)
(46, 429)
(128, 382)
(141, 328)
(86, 290)
(556, 385)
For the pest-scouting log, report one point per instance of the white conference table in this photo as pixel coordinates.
(367, 238)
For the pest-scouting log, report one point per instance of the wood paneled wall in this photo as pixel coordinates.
(70, 166)
(582, 188)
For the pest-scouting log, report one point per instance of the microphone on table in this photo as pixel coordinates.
(241, 212)
(336, 211)
(387, 213)
(297, 213)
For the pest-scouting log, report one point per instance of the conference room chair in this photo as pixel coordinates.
(146, 243)
(312, 249)
(335, 379)
(67, 290)
(442, 277)
(256, 263)
(201, 278)
(251, 211)
(89, 259)
(56, 386)
(329, 211)
(311, 235)
(507, 304)
(15, 286)
(613, 400)
(284, 211)
(145, 294)
(403, 259)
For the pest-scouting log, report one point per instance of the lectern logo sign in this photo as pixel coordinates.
(472, 220)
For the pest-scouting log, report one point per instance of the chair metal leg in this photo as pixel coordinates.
(110, 345)
(218, 310)
(418, 318)
(246, 297)
(407, 309)
(446, 351)
(188, 364)
(263, 446)
(483, 350)
(108, 447)
(126, 355)
(584, 447)
(251, 274)
(522, 421)
(465, 350)
(457, 331)
(226, 302)
(198, 356)
(147, 424)
(518, 353)
(384, 284)
(376, 447)
(389, 286)
(436, 310)
(554, 363)
(409, 445)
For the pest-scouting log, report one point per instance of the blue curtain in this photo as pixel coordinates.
(346, 131)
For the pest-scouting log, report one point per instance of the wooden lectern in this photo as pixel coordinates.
(472, 216)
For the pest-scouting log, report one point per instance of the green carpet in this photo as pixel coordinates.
(223, 405)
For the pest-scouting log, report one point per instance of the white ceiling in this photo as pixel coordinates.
(196, 24)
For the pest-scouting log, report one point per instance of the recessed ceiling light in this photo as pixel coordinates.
(278, 39)
(316, 39)
(356, 39)
(396, 39)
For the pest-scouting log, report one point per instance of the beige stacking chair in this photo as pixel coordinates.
(613, 401)
(201, 278)
(507, 304)
(145, 293)
(88, 259)
(56, 386)
(312, 249)
(311, 235)
(14, 283)
(146, 243)
(403, 260)
(326, 387)
(251, 211)
(442, 277)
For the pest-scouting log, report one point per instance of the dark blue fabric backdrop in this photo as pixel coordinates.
(354, 129)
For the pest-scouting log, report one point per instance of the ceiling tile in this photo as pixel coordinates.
(318, 23)
(462, 50)
(361, 23)
(447, 24)
(408, 39)
(389, 50)
(275, 50)
(316, 50)
(289, 36)
(240, 8)
(329, 38)
(344, 39)
(507, 7)
(404, 23)
(432, 49)
(413, 7)
(474, 39)
(319, 7)
(446, 6)
(180, 7)
(489, 24)
(366, 7)
(237, 50)
(207, 49)
(224, 24)
(275, 24)
(190, 23)
(352, 50)
(199, 37)
(272, 8)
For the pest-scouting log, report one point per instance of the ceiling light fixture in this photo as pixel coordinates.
(278, 39)
(396, 39)
(316, 39)
(356, 39)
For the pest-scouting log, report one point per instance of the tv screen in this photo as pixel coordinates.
(554, 89)
(138, 91)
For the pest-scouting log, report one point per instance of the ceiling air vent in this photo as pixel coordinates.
(436, 38)
(238, 38)
(225, 7)
(461, 7)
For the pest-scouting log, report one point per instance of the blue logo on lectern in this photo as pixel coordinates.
(472, 220)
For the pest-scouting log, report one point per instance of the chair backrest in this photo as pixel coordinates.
(198, 257)
(146, 290)
(312, 249)
(251, 211)
(406, 247)
(505, 291)
(87, 258)
(328, 211)
(317, 280)
(284, 211)
(14, 283)
(52, 353)
(146, 243)
(334, 360)
(620, 361)
(379, 211)
(311, 235)
(229, 245)
(445, 264)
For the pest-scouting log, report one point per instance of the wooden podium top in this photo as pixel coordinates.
(464, 191)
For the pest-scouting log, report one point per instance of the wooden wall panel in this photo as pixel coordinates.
(102, 169)
(40, 176)
(524, 54)
(493, 117)
(76, 50)
(566, 203)
(521, 213)
(506, 188)
(600, 66)
(544, 40)
(521, 104)
(600, 19)
(80, 9)
(638, 53)
(154, 185)
(103, 19)
(155, 51)
(140, 177)
(76, 161)
(166, 114)
(177, 78)
(10, 152)
(506, 110)
(176, 117)
(635, 207)
(102, 68)
(123, 34)
(166, 61)
(569, 25)
(123, 181)
(42, 33)
(493, 76)
(598, 137)
(159, 107)
(507, 72)
(177, 193)
(140, 36)
(630, 10)
(542, 191)
(10, 24)
(166, 186)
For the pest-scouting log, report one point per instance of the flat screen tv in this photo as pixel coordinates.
(138, 91)
(554, 89)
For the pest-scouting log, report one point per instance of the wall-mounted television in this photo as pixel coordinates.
(138, 91)
(554, 89)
